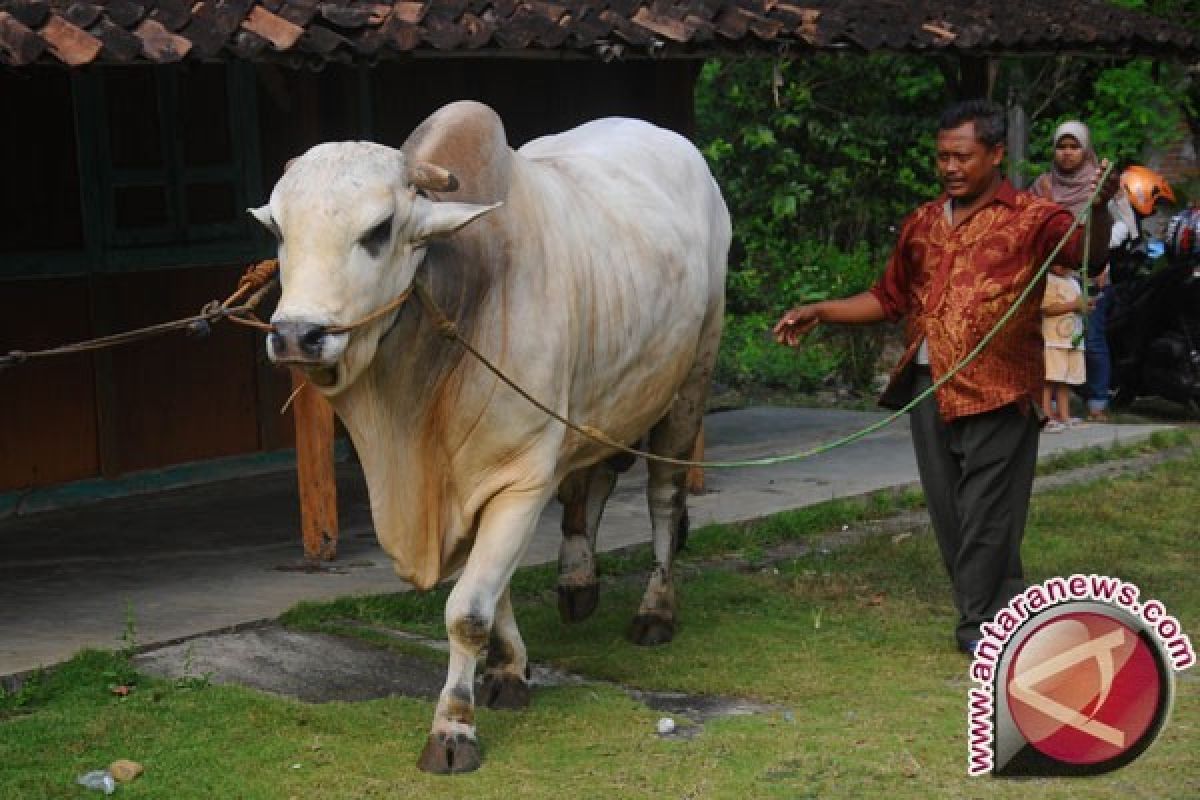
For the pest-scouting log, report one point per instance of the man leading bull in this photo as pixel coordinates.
(959, 264)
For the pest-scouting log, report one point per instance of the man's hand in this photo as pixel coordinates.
(1111, 185)
(795, 324)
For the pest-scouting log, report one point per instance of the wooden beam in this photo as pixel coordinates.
(314, 471)
(108, 438)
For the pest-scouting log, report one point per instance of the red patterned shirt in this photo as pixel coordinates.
(952, 284)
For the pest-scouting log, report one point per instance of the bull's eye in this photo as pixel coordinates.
(374, 240)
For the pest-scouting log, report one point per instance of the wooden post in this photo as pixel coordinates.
(1018, 132)
(695, 475)
(314, 472)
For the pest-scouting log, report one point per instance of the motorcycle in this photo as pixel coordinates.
(1153, 322)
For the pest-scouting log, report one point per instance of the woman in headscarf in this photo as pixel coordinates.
(1069, 183)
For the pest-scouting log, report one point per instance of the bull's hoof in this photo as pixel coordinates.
(502, 690)
(577, 603)
(648, 630)
(449, 753)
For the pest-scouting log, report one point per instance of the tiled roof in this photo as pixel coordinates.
(309, 31)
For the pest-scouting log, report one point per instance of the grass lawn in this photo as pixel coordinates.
(853, 646)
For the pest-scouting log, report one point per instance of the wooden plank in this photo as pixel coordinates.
(315, 471)
(181, 399)
(108, 441)
(71, 45)
(49, 433)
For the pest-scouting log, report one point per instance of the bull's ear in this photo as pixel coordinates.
(263, 215)
(443, 219)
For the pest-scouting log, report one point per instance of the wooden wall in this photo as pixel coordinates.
(174, 399)
(146, 405)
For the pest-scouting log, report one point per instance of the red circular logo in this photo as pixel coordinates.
(1083, 688)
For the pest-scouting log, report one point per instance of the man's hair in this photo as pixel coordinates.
(991, 125)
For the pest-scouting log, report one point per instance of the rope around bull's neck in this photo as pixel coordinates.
(447, 328)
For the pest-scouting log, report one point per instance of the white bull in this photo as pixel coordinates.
(590, 267)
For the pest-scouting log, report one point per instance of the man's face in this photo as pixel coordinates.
(966, 165)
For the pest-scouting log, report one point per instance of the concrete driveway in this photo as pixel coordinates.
(206, 558)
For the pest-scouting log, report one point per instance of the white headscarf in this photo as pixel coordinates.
(1076, 129)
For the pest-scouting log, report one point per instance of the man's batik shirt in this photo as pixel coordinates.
(952, 284)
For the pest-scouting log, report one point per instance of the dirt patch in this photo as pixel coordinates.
(313, 667)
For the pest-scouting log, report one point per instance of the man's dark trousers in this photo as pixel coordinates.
(977, 473)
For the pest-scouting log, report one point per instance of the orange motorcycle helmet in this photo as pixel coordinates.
(1144, 187)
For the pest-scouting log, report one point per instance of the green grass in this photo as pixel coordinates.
(855, 644)
(1088, 456)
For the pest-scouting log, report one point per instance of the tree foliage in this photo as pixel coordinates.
(1126, 106)
(821, 158)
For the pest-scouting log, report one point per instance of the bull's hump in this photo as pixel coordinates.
(468, 139)
(600, 136)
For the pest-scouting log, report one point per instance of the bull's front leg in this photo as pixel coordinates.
(480, 599)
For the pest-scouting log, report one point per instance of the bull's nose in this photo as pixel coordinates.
(297, 340)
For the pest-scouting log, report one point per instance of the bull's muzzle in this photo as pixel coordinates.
(299, 342)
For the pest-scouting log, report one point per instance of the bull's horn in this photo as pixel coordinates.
(423, 175)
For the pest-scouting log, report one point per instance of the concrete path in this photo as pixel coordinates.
(180, 563)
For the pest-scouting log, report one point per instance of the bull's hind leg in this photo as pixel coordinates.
(583, 494)
(507, 667)
(479, 599)
(666, 493)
